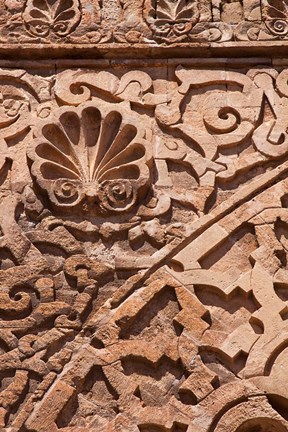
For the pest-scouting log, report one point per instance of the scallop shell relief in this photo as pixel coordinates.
(94, 158)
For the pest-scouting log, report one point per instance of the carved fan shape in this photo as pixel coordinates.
(94, 154)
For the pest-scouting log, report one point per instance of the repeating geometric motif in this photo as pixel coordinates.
(142, 22)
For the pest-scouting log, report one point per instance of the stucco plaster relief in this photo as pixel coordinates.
(143, 216)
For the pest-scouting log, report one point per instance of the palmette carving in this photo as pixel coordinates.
(142, 23)
(57, 17)
(143, 250)
(172, 20)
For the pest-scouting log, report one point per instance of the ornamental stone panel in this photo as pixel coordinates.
(143, 216)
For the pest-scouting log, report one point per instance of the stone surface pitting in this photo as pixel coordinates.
(150, 23)
(143, 279)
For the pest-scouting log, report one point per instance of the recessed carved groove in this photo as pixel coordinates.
(143, 225)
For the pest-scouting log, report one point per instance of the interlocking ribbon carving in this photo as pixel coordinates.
(143, 279)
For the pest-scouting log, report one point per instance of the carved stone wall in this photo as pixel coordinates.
(132, 27)
(143, 216)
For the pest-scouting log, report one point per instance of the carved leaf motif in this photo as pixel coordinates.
(99, 155)
(43, 17)
(276, 9)
(176, 10)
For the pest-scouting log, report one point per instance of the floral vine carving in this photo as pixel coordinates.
(160, 21)
(59, 17)
(92, 155)
(121, 307)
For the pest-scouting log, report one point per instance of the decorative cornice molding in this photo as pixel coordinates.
(193, 25)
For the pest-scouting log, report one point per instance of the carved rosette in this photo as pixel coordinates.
(93, 156)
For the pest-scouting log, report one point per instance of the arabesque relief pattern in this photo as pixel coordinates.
(144, 239)
(146, 22)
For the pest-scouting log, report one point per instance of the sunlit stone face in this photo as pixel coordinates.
(143, 216)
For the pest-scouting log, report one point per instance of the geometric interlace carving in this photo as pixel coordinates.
(144, 239)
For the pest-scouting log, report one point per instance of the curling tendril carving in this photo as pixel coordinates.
(46, 17)
(142, 321)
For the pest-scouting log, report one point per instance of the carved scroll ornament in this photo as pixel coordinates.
(143, 277)
(143, 23)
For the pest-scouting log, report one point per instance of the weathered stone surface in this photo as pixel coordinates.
(139, 27)
(143, 278)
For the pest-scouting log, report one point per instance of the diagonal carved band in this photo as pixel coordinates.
(143, 254)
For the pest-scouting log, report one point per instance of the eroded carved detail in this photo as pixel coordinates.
(59, 17)
(152, 22)
(172, 21)
(143, 250)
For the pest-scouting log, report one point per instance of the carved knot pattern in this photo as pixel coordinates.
(126, 200)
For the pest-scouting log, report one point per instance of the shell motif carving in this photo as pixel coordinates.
(92, 157)
(58, 17)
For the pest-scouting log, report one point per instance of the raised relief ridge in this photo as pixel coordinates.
(95, 154)
(143, 249)
(46, 18)
(143, 24)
